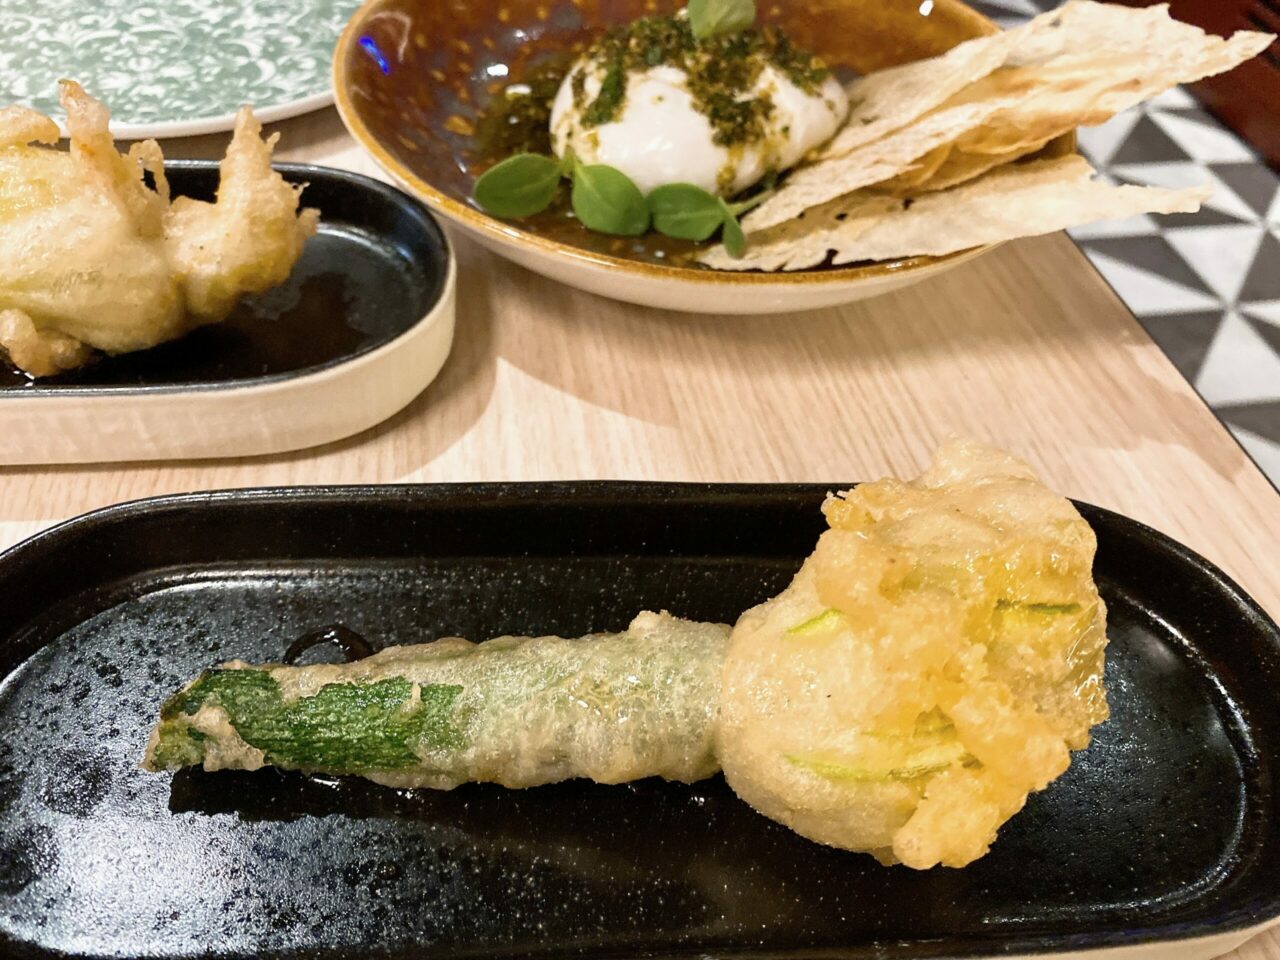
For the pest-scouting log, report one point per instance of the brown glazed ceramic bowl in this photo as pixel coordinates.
(411, 78)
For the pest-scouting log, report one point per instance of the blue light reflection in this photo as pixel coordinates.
(370, 47)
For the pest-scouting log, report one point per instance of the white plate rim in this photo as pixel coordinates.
(198, 126)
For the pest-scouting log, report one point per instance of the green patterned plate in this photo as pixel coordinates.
(170, 68)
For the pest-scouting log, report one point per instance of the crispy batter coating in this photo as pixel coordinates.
(934, 662)
(246, 242)
(95, 260)
(519, 711)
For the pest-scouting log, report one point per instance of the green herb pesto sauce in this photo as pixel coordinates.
(343, 728)
(720, 70)
(518, 119)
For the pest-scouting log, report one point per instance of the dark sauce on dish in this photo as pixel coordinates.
(251, 343)
(337, 640)
(518, 118)
(344, 296)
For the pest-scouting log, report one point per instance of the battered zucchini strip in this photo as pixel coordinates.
(518, 711)
(933, 663)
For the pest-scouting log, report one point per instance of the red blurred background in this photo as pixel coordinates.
(1247, 98)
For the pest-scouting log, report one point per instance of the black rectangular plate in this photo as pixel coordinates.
(1164, 828)
(376, 267)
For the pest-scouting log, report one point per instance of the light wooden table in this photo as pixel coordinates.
(1026, 347)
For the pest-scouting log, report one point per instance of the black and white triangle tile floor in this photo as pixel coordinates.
(1206, 285)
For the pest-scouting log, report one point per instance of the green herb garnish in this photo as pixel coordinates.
(710, 18)
(519, 186)
(686, 211)
(735, 242)
(605, 199)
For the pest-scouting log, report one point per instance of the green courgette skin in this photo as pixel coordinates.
(516, 710)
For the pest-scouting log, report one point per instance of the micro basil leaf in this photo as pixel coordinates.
(738, 209)
(709, 18)
(685, 211)
(568, 160)
(519, 186)
(734, 240)
(606, 200)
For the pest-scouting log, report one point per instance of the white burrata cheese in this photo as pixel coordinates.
(661, 137)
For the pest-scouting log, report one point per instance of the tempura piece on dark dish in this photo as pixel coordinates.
(935, 661)
(95, 260)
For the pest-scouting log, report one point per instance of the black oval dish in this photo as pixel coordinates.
(376, 267)
(1164, 829)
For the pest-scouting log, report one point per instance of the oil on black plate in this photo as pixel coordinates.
(1165, 828)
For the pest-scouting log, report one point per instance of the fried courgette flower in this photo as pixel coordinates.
(95, 260)
(934, 661)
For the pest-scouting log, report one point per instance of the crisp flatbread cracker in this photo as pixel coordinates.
(920, 172)
(1085, 90)
(958, 167)
(882, 159)
(806, 242)
(887, 100)
(1020, 200)
(1085, 27)
(1078, 65)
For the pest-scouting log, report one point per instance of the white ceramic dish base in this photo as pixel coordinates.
(244, 420)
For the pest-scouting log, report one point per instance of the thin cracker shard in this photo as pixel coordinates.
(897, 117)
(888, 100)
(1109, 28)
(1074, 89)
(1022, 200)
(959, 167)
(1056, 195)
(797, 244)
(1044, 88)
(873, 163)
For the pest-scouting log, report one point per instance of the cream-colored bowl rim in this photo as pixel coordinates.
(504, 232)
